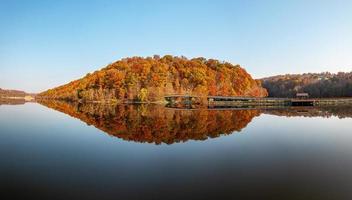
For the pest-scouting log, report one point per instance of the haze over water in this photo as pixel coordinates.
(62, 151)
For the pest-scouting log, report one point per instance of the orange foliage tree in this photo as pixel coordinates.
(153, 78)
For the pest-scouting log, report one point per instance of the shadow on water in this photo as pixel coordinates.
(151, 123)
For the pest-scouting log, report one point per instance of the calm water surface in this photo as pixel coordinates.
(57, 150)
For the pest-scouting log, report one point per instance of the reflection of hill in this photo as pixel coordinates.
(155, 123)
(337, 111)
(8, 101)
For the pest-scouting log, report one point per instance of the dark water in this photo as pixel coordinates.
(89, 151)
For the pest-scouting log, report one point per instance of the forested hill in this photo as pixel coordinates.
(316, 84)
(151, 78)
(12, 93)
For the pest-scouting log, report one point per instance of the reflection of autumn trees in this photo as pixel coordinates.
(6, 101)
(155, 123)
(158, 124)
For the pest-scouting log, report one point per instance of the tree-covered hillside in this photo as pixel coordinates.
(11, 93)
(316, 84)
(151, 78)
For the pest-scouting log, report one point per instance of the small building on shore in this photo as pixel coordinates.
(302, 95)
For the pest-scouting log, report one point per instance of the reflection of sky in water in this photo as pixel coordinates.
(48, 152)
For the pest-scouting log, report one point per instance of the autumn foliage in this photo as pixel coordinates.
(318, 85)
(11, 93)
(150, 79)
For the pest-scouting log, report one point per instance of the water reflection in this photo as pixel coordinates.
(326, 112)
(7, 101)
(158, 124)
(47, 156)
(155, 123)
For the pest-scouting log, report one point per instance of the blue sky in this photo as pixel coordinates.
(48, 43)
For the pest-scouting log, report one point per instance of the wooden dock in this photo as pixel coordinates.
(227, 101)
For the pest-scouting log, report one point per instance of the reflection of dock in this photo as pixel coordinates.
(321, 102)
(227, 101)
(302, 102)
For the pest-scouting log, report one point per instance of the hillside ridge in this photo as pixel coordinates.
(318, 85)
(150, 79)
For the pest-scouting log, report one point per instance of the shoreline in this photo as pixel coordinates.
(228, 103)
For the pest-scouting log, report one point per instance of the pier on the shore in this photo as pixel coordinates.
(228, 101)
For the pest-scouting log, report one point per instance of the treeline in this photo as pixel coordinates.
(316, 84)
(151, 78)
(12, 93)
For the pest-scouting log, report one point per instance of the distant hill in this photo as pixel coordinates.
(316, 84)
(12, 93)
(15, 96)
(151, 78)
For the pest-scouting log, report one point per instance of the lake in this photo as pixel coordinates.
(57, 150)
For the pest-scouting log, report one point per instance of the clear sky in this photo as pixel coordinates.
(48, 43)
